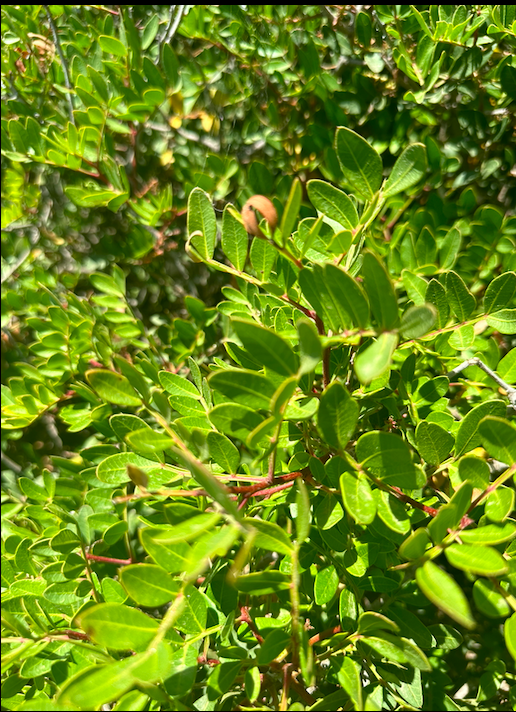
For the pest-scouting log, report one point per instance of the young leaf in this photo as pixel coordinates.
(304, 515)
(408, 170)
(360, 163)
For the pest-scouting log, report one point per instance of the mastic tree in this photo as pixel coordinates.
(270, 472)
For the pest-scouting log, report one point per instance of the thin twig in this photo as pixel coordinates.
(63, 63)
(511, 392)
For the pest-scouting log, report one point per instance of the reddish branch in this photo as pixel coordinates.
(109, 560)
(325, 634)
(413, 502)
(245, 617)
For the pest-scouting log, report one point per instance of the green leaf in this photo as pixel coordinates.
(190, 528)
(433, 442)
(192, 620)
(113, 469)
(223, 451)
(214, 487)
(360, 163)
(303, 514)
(450, 248)
(91, 688)
(489, 534)
(148, 440)
(348, 297)
(177, 385)
(252, 684)
(337, 416)
(388, 457)
(234, 238)
(274, 644)
(445, 593)
(263, 256)
(249, 388)
(500, 504)
(332, 202)
(269, 536)
(436, 295)
(418, 321)
(380, 291)
(201, 224)
(112, 45)
(503, 321)
(408, 170)
(149, 585)
(499, 438)
(509, 631)
(171, 558)
(112, 387)
(481, 560)
(489, 600)
(261, 583)
(376, 358)
(349, 678)
(106, 284)
(310, 349)
(113, 625)
(266, 347)
(392, 512)
(507, 367)
(314, 289)
(325, 585)
(460, 299)
(468, 435)
(500, 292)
(291, 210)
(415, 285)
(235, 420)
(358, 497)
(371, 620)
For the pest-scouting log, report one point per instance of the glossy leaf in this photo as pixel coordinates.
(201, 227)
(149, 585)
(337, 416)
(112, 387)
(234, 238)
(348, 297)
(380, 291)
(408, 170)
(360, 163)
(499, 438)
(468, 435)
(375, 360)
(267, 347)
(445, 593)
(434, 443)
(332, 202)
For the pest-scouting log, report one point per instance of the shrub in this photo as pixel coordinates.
(295, 492)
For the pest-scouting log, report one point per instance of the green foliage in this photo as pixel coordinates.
(275, 474)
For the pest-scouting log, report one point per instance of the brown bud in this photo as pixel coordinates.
(254, 210)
